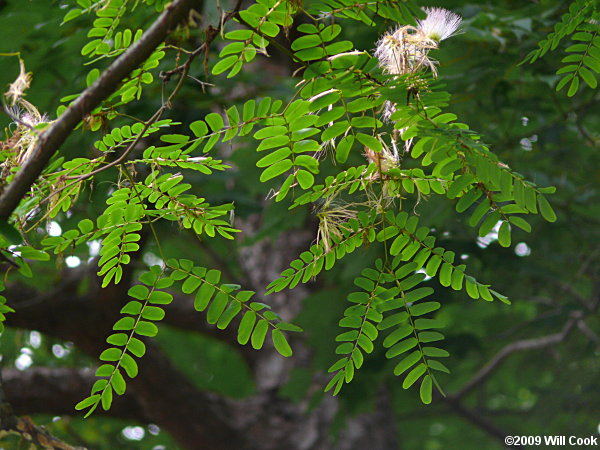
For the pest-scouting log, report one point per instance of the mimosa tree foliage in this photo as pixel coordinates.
(361, 141)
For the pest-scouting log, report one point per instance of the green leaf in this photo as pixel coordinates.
(305, 178)
(125, 324)
(467, 200)
(246, 327)
(308, 162)
(90, 46)
(433, 265)
(240, 35)
(144, 328)
(504, 232)
(160, 298)
(426, 324)
(459, 185)
(563, 82)
(217, 307)
(420, 309)
(270, 29)
(281, 343)
(285, 326)
(232, 310)
(118, 383)
(545, 209)
(400, 333)
(191, 284)
(199, 128)
(153, 313)
(426, 389)
(336, 381)
(203, 296)
(520, 222)
(401, 347)
(273, 157)
(334, 130)
(86, 225)
(275, 170)
(111, 354)
(430, 336)
(89, 401)
(306, 41)
(259, 334)
(436, 365)
(309, 54)
(136, 347)
(588, 77)
(33, 254)
(342, 150)
(133, 308)
(224, 64)
(369, 141)
(407, 363)
(130, 366)
(479, 212)
(434, 352)
(139, 291)
(104, 370)
(593, 62)
(445, 274)
(119, 339)
(25, 269)
(414, 375)
(73, 14)
(214, 121)
(573, 87)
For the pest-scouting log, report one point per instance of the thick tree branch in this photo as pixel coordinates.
(198, 420)
(24, 427)
(54, 390)
(51, 139)
(37, 436)
(64, 299)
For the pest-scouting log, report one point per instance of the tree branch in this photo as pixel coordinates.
(24, 426)
(64, 299)
(51, 139)
(199, 419)
(478, 420)
(54, 390)
(525, 344)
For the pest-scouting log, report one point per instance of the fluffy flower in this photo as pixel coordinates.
(404, 51)
(332, 222)
(22, 143)
(18, 87)
(439, 24)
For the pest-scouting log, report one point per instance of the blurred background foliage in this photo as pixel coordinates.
(548, 137)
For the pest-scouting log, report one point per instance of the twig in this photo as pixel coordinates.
(478, 420)
(211, 34)
(525, 344)
(51, 139)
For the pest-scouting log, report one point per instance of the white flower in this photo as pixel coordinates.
(439, 24)
(404, 51)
